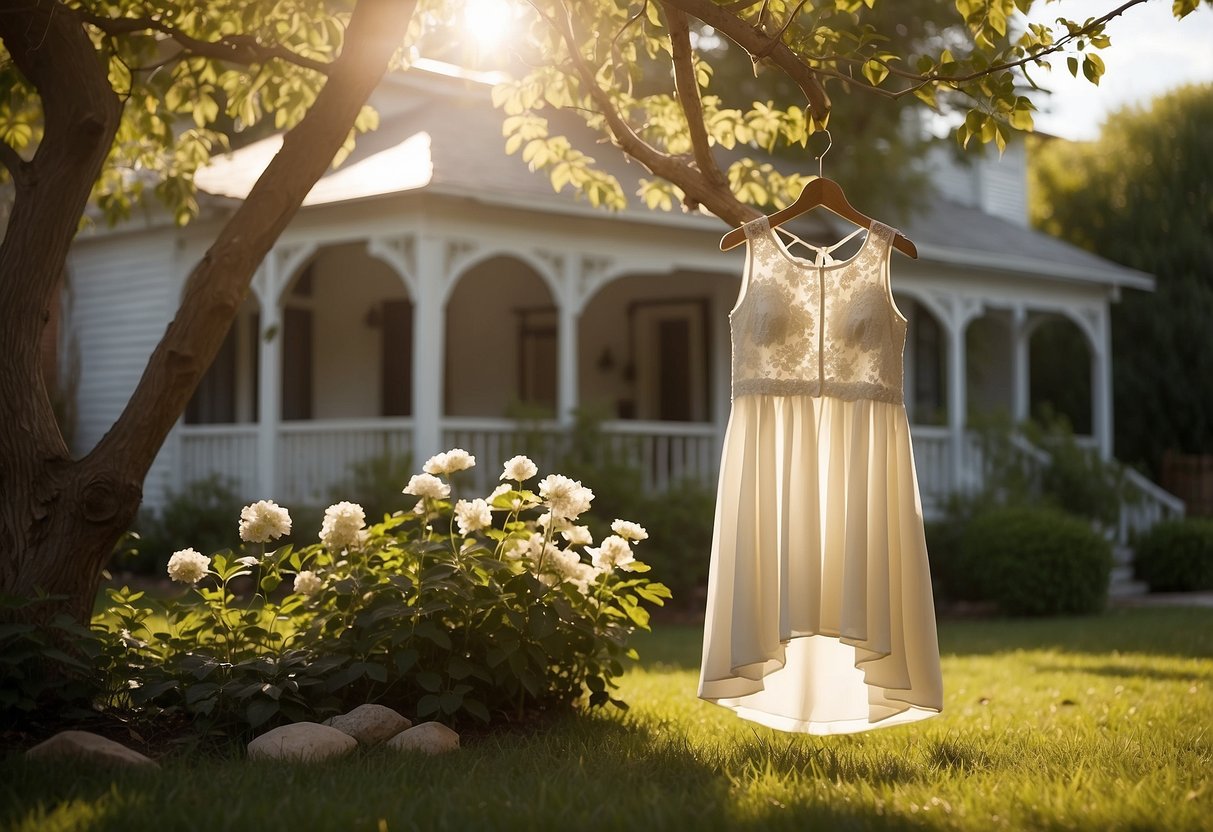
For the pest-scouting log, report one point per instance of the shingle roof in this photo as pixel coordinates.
(443, 135)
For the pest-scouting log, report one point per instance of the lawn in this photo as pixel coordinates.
(1082, 723)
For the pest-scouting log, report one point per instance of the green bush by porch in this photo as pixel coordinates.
(1177, 556)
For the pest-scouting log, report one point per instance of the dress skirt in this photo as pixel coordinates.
(820, 617)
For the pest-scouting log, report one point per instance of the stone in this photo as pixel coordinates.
(84, 745)
(428, 737)
(370, 724)
(302, 742)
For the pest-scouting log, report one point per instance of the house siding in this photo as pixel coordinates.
(123, 294)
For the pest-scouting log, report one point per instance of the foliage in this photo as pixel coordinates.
(602, 59)
(1066, 476)
(1176, 556)
(48, 666)
(196, 81)
(200, 513)
(436, 611)
(1035, 561)
(952, 577)
(1139, 195)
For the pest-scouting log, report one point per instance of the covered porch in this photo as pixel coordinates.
(356, 346)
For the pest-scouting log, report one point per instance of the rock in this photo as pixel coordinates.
(428, 737)
(84, 745)
(370, 724)
(302, 741)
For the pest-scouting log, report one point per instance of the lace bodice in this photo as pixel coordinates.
(817, 329)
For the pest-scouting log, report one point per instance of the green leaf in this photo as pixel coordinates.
(260, 711)
(428, 705)
(477, 709)
(429, 680)
(875, 71)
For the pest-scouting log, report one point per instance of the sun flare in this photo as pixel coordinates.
(488, 22)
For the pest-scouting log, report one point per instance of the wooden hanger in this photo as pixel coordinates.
(825, 193)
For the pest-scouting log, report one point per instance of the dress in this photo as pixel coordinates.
(819, 613)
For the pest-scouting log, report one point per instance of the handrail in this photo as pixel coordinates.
(1153, 489)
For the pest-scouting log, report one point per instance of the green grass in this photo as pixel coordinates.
(1084, 723)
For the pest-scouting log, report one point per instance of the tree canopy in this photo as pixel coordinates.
(1142, 195)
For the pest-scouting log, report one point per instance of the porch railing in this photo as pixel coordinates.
(226, 451)
(313, 457)
(665, 453)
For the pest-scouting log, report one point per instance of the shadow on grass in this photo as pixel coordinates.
(1127, 671)
(582, 772)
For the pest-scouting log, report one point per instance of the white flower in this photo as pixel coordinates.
(500, 491)
(264, 521)
(308, 583)
(456, 459)
(427, 485)
(629, 530)
(519, 468)
(578, 535)
(614, 552)
(516, 549)
(188, 566)
(582, 575)
(567, 498)
(342, 526)
(472, 516)
(545, 520)
(248, 560)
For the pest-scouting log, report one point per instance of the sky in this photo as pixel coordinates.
(1151, 53)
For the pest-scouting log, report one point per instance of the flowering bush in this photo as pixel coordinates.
(475, 607)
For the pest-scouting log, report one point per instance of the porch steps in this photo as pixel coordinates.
(1122, 584)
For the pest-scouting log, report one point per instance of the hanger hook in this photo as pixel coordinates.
(830, 144)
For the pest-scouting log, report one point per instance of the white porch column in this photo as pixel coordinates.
(429, 349)
(568, 315)
(269, 383)
(1021, 334)
(1101, 385)
(957, 396)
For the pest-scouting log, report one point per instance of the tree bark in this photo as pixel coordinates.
(60, 519)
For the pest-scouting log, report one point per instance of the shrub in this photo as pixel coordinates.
(1035, 561)
(951, 577)
(1176, 556)
(680, 546)
(47, 669)
(475, 609)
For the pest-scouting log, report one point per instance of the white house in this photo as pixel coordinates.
(433, 288)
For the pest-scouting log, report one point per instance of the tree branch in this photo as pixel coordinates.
(12, 160)
(760, 45)
(686, 86)
(218, 283)
(698, 190)
(238, 49)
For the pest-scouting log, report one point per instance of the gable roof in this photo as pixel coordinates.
(439, 132)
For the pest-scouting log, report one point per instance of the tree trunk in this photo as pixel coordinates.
(59, 519)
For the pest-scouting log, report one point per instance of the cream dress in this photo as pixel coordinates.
(819, 613)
